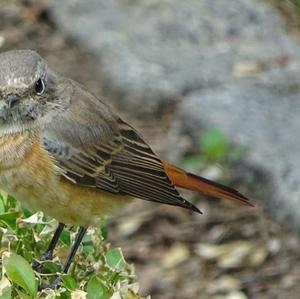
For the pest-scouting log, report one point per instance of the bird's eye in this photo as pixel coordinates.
(39, 86)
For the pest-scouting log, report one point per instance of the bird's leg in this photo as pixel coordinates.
(48, 255)
(68, 262)
(74, 248)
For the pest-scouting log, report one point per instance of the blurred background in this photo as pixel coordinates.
(213, 86)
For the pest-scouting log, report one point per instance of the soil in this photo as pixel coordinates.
(228, 252)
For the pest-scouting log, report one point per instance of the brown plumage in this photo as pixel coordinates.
(65, 152)
(94, 162)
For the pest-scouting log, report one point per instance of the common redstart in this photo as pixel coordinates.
(65, 152)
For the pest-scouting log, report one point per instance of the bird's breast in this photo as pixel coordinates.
(26, 170)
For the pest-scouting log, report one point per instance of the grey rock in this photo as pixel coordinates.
(152, 53)
(266, 120)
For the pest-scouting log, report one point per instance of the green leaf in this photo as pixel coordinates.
(9, 202)
(104, 231)
(51, 267)
(10, 219)
(214, 144)
(23, 295)
(65, 237)
(3, 196)
(69, 282)
(104, 228)
(27, 213)
(88, 246)
(87, 240)
(88, 249)
(64, 295)
(2, 208)
(115, 260)
(20, 272)
(96, 290)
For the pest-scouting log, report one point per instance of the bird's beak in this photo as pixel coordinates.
(12, 99)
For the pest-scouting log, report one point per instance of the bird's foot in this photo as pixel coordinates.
(38, 265)
(55, 284)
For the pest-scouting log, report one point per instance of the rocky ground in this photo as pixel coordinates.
(230, 252)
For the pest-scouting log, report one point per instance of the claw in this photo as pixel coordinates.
(55, 284)
(37, 266)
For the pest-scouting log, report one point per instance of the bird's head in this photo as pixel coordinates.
(28, 91)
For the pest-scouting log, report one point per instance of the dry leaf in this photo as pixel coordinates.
(232, 295)
(177, 254)
(130, 226)
(235, 254)
(78, 295)
(224, 284)
(36, 218)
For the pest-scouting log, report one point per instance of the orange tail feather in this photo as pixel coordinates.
(189, 181)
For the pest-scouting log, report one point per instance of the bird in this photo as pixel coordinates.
(65, 152)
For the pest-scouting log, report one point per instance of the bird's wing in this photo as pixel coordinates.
(95, 148)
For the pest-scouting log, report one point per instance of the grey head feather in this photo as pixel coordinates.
(20, 68)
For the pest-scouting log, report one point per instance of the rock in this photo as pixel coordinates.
(230, 66)
(153, 52)
(263, 115)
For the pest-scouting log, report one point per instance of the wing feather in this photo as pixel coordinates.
(95, 148)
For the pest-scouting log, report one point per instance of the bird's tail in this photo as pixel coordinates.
(183, 179)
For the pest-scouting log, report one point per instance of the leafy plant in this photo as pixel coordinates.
(98, 271)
